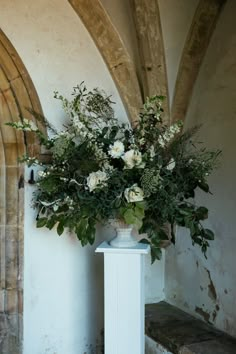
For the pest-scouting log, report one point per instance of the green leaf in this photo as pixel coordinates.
(51, 223)
(81, 228)
(204, 186)
(60, 228)
(129, 217)
(156, 253)
(202, 213)
(208, 234)
(139, 212)
(145, 241)
(163, 235)
(41, 222)
(91, 231)
(172, 232)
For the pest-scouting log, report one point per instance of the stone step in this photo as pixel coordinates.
(170, 330)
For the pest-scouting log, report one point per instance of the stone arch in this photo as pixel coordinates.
(196, 45)
(17, 93)
(113, 51)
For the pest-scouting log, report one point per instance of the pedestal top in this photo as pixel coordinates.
(141, 248)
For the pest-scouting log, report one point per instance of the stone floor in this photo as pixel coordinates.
(177, 332)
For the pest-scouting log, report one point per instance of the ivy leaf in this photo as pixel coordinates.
(91, 231)
(163, 235)
(208, 234)
(132, 219)
(129, 217)
(156, 253)
(202, 213)
(81, 228)
(145, 241)
(51, 223)
(60, 228)
(139, 212)
(204, 186)
(172, 233)
(41, 222)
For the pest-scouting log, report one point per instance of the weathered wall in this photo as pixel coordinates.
(206, 287)
(63, 283)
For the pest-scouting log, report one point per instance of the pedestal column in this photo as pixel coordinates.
(124, 298)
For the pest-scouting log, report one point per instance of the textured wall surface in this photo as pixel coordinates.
(203, 287)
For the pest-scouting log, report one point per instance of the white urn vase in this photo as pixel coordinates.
(124, 237)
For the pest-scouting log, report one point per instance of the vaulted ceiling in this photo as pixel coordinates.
(133, 87)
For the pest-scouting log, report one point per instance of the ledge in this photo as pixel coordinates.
(140, 248)
(181, 333)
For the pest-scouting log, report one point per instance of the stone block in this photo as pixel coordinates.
(11, 303)
(222, 346)
(181, 333)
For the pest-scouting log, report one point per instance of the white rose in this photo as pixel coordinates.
(96, 179)
(132, 158)
(171, 165)
(134, 194)
(117, 149)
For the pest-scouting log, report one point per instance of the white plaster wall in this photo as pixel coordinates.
(63, 282)
(176, 17)
(207, 287)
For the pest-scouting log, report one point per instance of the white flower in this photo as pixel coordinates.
(55, 207)
(171, 165)
(96, 179)
(134, 194)
(133, 158)
(116, 150)
(99, 153)
(169, 134)
(174, 128)
(141, 141)
(107, 167)
(152, 151)
(42, 174)
(161, 141)
(33, 127)
(29, 125)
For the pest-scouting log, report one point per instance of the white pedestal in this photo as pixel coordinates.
(124, 298)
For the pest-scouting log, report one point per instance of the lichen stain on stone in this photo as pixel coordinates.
(211, 287)
(202, 313)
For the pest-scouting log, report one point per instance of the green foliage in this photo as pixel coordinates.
(101, 170)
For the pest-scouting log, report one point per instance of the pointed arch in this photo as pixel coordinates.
(17, 93)
(197, 41)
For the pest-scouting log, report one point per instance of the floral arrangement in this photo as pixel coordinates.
(101, 169)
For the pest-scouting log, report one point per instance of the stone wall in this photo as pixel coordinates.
(206, 287)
